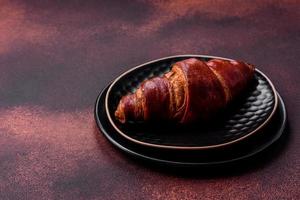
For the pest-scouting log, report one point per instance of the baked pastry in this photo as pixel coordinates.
(192, 90)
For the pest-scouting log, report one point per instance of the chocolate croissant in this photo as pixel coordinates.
(192, 90)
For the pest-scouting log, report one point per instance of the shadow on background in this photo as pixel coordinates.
(236, 168)
(250, 164)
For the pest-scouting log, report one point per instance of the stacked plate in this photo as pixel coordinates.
(249, 125)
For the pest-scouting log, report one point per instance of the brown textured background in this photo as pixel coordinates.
(56, 56)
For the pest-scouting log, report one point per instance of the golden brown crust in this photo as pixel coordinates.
(235, 75)
(205, 94)
(177, 91)
(192, 90)
(156, 90)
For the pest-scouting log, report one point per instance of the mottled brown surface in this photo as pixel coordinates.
(56, 56)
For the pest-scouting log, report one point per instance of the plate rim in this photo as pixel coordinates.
(263, 124)
(279, 133)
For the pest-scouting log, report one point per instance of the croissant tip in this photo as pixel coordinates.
(119, 114)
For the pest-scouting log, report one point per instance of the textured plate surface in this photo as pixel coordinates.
(227, 154)
(250, 112)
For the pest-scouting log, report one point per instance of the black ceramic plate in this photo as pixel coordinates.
(246, 116)
(225, 154)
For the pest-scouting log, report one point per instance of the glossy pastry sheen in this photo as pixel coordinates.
(192, 90)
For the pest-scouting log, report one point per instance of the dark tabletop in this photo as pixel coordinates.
(56, 56)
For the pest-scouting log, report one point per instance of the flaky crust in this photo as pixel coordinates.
(192, 90)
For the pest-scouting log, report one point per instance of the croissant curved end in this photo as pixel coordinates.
(120, 114)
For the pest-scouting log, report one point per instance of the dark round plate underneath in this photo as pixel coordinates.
(241, 150)
(241, 119)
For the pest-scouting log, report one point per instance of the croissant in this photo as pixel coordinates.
(190, 91)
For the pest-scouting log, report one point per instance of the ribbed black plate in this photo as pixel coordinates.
(207, 157)
(242, 118)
